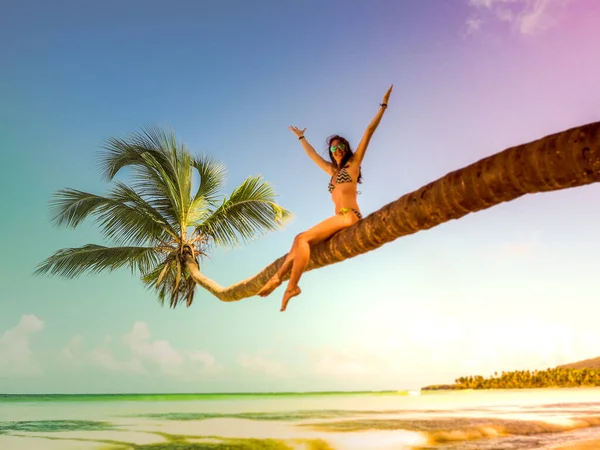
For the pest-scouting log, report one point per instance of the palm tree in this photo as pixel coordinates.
(526, 379)
(160, 224)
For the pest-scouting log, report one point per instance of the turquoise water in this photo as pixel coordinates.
(158, 397)
(482, 420)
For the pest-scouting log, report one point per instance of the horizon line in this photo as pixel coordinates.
(216, 393)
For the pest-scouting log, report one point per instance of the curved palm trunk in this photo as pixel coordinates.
(563, 160)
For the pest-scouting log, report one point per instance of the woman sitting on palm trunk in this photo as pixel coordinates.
(344, 169)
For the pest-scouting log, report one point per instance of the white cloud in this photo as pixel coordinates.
(141, 355)
(102, 356)
(491, 3)
(73, 348)
(529, 17)
(159, 352)
(204, 357)
(16, 358)
(473, 24)
(351, 360)
(263, 364)
(481, 3)
(504, 14)
(537, 17)
(328, 363)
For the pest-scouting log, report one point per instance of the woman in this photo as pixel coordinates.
(344, 169)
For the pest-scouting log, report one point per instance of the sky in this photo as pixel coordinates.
(511, 287)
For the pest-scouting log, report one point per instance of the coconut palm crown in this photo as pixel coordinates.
(160, 217)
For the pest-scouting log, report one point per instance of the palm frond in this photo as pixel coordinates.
(69, 207)
(151, 153)
(188, 291)
(91, 258)
(249, 211)
(164, 271)
(212, 178)
(123, 215)
(171, 281)
(145, 149)
(135, 202)
(182, 161)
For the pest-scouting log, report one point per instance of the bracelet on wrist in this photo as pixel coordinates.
(383, 104)
(301, 137)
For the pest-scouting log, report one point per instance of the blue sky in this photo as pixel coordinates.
(507, 288)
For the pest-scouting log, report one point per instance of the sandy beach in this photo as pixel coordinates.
(549, 419)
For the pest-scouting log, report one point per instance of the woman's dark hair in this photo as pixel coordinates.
(349, 153)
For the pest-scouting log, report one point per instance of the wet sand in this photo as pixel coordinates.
(586, 445)
(498, 420)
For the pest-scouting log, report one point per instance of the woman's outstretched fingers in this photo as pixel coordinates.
(386, 97)
(297, 131)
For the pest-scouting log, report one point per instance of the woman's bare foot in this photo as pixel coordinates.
(289, 293)
(269, 286)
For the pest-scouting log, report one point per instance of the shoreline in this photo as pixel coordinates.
(185, 395)
(432, 387)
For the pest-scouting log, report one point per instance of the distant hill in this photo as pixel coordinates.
(593, 363)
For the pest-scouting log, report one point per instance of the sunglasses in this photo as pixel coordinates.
(333, 148)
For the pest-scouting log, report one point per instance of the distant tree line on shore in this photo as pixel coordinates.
(527, 379)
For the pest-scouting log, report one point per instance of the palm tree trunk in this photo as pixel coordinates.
(563, 160)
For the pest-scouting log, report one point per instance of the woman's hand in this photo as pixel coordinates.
(386, 97)
(299, 133)
(325, 165)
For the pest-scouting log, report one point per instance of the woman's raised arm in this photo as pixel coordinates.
(364, 142)
(310, 151)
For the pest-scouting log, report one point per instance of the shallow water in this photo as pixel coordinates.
(482, 420)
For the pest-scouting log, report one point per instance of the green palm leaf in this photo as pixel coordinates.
(148, 216)
(91, 258)
(123, 215)
(145, 149)
(212, 179)
(182, 162)
(151, 154)
(249, 210)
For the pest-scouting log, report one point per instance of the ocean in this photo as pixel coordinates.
(449, 420)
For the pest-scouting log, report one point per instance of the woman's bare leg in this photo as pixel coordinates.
(275, 280)
(299, 263)
(302, 245)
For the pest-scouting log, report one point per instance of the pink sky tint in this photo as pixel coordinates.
(528, 17)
